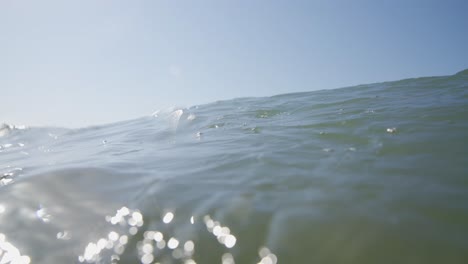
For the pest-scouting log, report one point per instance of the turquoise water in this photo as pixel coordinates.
(368, 174)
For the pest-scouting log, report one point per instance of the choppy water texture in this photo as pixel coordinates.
(367, 174)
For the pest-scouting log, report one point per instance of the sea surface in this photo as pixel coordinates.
(367, 174)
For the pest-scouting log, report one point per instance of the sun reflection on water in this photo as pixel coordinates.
(9, 254)
(154, 245)
(9, 175)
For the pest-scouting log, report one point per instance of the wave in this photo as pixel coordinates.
(348, 175)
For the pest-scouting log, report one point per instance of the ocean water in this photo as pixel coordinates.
(368, 174)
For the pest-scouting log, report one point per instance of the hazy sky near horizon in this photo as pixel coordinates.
(77, 63)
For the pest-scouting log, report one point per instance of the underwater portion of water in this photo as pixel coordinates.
(367, 174)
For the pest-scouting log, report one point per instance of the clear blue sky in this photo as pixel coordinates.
(76, 63)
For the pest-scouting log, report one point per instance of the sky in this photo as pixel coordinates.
(88, 62)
